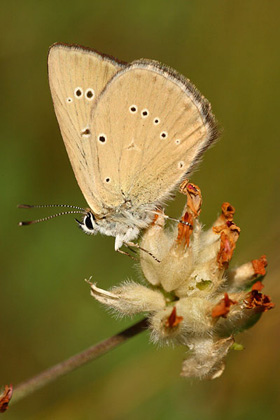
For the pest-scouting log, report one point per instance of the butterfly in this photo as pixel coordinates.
(133, 132)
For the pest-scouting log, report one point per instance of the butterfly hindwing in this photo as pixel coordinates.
(148, 129)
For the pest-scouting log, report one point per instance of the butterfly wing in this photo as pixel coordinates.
(148, 129)
(77, 76)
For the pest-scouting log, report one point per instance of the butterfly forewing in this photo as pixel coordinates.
(76, 77)
(154, 125)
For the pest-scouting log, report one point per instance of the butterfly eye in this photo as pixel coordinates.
(88, 225)
(89, 221)
(163, 135)
(156, 121)
(177, 141)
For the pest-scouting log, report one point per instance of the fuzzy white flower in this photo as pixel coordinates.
(191, 297)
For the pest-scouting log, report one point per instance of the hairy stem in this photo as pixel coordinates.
(28, 387)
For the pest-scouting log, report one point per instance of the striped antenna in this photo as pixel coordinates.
(170, 218)
(39, 206)
(79, 210)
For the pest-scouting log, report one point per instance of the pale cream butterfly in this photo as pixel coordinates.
(133, 132)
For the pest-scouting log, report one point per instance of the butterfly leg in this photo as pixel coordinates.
(133, 245)
(126, 253)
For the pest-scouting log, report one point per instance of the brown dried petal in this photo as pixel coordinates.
(173, 320)
(234, 230)
(258, 286)
(185, 231)
(223, 307)
(218, 229)
(229, 235)
(226, 251)
(184, 187)
(194, 199)
(5, 398)
(228, 226)
(257, 301)
(226, 215)
(228, 211)
(259, 265)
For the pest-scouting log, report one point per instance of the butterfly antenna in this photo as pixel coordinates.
(172, 218)
(179, 221)
(79, 210)
(44, 219)
(39, 206)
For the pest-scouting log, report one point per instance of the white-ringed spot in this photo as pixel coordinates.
(69, 100)
(177, 141)
(156, 121)
(89, 94)
(133, 109)
(181, 164)
(78, 92)
(102, 138)
(144, 113)
(163, 135)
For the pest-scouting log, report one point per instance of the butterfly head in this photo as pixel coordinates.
(88, 223)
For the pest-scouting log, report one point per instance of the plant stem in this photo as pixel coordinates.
(28, 387)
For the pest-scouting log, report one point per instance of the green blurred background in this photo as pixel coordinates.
(230, 51)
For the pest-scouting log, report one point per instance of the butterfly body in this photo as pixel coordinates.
(124, 223)
(133, 132)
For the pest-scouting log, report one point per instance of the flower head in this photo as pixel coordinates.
(192, 298)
